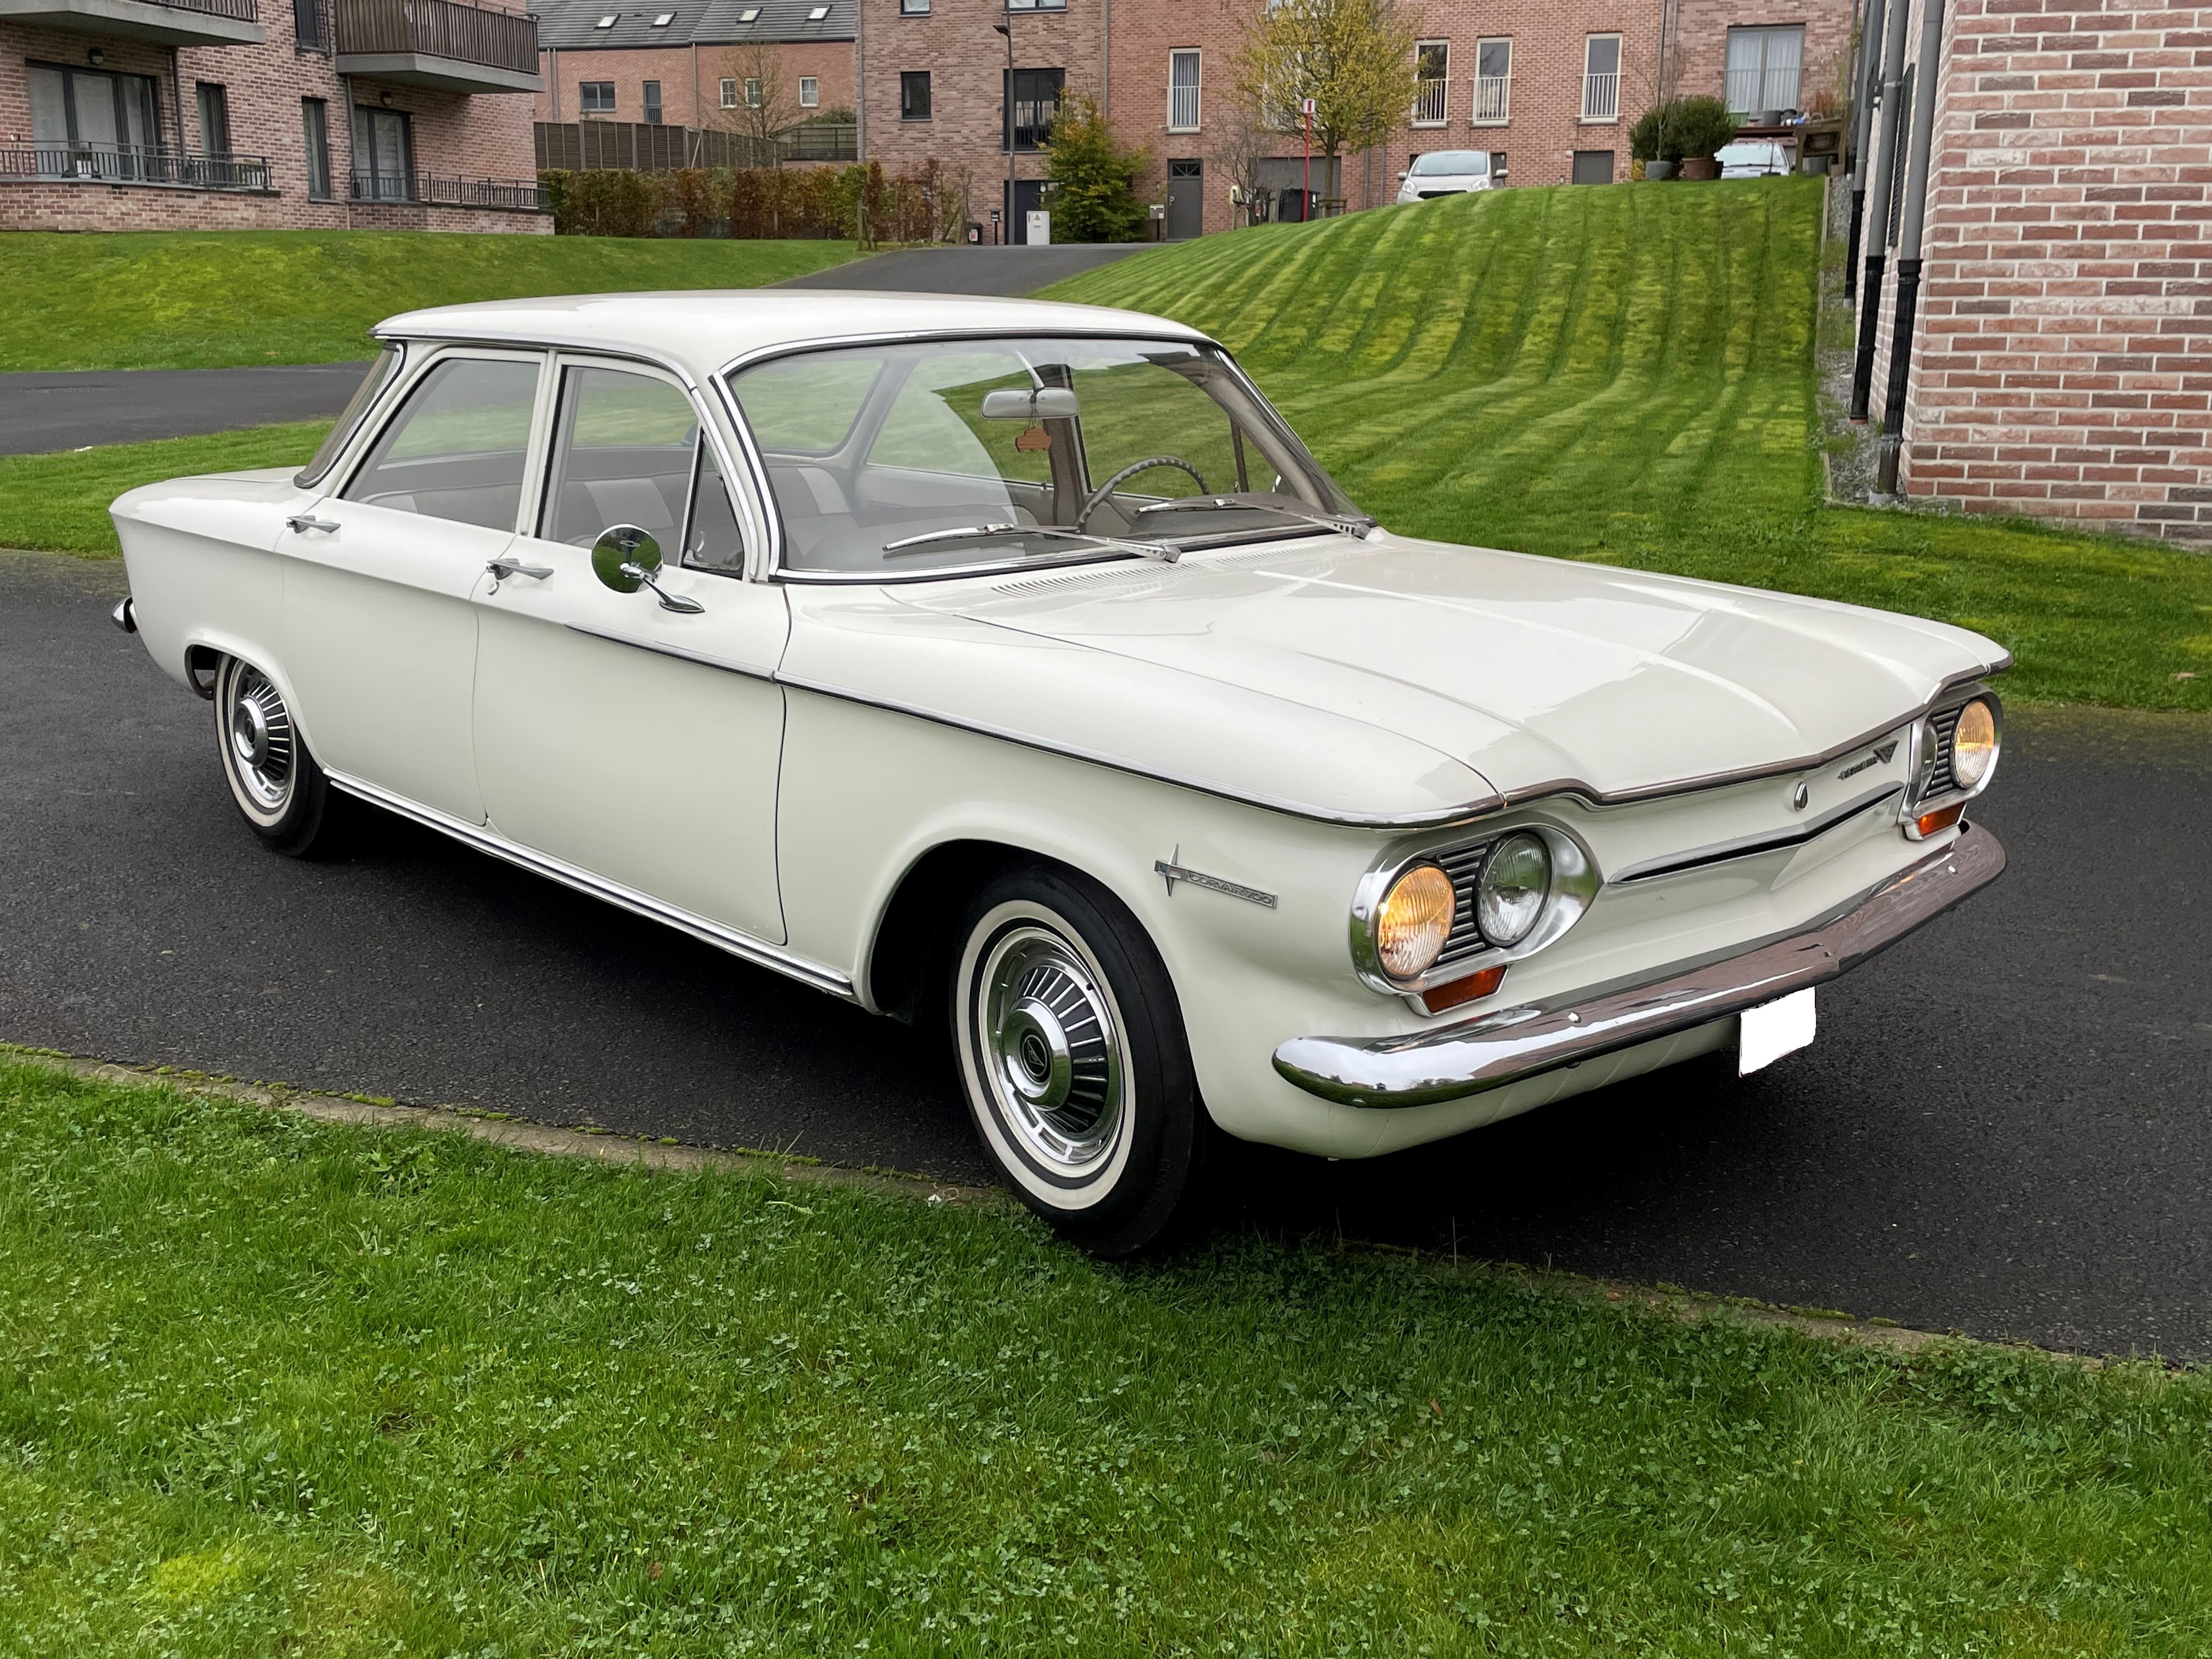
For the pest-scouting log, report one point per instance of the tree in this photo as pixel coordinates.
(1094, 197)
(1240, 145)
(764, 107)
(1354, 59)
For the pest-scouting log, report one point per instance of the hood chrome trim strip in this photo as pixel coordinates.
(1723, 852)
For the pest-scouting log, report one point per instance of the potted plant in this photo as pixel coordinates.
(1695, 128)
(1647, 143)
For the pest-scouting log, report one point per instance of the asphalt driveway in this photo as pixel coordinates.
(2005, 1127)
(42, 413)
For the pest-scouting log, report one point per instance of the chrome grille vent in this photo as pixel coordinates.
(1941, 780)
(1464, 865)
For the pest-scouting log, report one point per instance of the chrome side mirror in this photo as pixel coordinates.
(627, 558)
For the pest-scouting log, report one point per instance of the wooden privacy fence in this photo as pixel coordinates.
(636, 146)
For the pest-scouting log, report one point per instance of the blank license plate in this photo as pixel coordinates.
(1774, 1030)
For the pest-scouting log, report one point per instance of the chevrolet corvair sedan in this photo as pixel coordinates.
(1012, 664)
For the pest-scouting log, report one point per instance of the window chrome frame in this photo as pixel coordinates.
(774, 567)
(1576, 881)
(404, 384)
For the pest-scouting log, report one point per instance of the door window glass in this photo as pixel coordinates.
(711, 540)
(455, 448)
(623, 454)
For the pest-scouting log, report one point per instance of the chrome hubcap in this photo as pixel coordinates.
(1051, 1056)
(260, 738)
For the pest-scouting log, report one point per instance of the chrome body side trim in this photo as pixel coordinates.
(1438, 819)
(676, 651)
(1750, 846)
(1455, 1062)
(485, 839)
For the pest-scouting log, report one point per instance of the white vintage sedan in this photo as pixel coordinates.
(1013, 665)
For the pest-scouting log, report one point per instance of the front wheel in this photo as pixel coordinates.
(278, 786)
(1073, 1060)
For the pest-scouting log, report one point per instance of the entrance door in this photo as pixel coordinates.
(1592, 166)
(1029, 196)
(1185, 200)
(379, 637)
(632, 741)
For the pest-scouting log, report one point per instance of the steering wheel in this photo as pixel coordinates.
(1099, 495)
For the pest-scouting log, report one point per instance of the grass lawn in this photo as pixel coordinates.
(202, 299)
(1627, 374)
(272, 1386)
(58, 503)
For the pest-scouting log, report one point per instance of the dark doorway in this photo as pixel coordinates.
(1592, 166)
(1185, 200)
(1029, 193)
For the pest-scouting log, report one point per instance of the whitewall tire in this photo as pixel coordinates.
(275, 781)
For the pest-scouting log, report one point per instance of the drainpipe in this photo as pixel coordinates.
(860, 80)
(1861, 113)
(1908, 252)
(1892, 133)
(1106, 58)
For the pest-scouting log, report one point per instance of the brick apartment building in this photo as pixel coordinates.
(2062, 366)
(695, 62)
(1548, 92)
(232, 114)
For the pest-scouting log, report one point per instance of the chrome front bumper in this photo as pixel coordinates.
(1453, 1061)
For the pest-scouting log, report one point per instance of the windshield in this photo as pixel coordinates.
(983, 452)
(1453, 161)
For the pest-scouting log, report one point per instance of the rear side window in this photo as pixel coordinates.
(455, 449)
(379, 376)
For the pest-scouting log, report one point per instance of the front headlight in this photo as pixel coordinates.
(1414, 922)
(1517, 879)
(1974, 744)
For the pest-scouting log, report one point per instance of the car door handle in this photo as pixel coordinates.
(501, 568)
(306, 522)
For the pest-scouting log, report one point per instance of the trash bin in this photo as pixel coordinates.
(975, 231)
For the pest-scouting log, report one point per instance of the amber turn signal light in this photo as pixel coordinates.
(1941, 818)
(1473, 988)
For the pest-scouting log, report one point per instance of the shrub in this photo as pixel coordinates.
(1094, 199)
(696, 201)
(1681, 127)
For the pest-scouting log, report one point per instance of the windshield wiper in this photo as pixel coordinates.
(1165, 552)
(1351, 523)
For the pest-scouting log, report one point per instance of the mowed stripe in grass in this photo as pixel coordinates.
(1627, 374)
(215, 299)
(276, 1386)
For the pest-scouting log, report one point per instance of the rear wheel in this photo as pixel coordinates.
(278, 786)
(1073, 1057)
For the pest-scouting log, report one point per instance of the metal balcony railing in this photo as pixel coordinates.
(1601, 97)
(438, 29)
(1182, 107)
(1492, 99)
(245, 11)
(1429, 103)
(820, 141)
(449, 189)
(133, 164)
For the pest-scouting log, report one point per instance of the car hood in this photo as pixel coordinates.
(1533, 673)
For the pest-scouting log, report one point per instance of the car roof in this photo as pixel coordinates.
(705, 329)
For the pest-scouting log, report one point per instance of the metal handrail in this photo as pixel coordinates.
(449, 189)
(133, 164)
(1492, 99)
(1429, 103)
(438, 29)
(1602, 96)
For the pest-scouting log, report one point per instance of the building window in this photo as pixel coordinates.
(315, 137)
(215, 119)
(1036, 5)
(596, 97)
(308, 33)
(90, 123)
(729, 94)
(752, 92)
(1035, 100)
(383, 155)
(914, 95)
(810, 92)
(1432, 79)
(1493, 82)
(1763, 68)
(1183, 92)
(1601, 78)
(914, 8)
(652, 103)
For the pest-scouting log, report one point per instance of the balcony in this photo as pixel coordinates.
(1429, 98)
(435, 43)
(449, 189)
(1601, 97)
(133, 164)
(1494, 101)
(819, 141)
(166, 22)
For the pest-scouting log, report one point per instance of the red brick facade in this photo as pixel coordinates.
(2063, 365)
(829, 63)
(479, 136)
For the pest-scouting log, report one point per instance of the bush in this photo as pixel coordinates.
(1094, 197)
(803, 203)
(606, 203)
(1682, 128)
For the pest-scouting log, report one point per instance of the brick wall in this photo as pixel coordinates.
(830, 62)
(2063, 366)
(482, 136)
